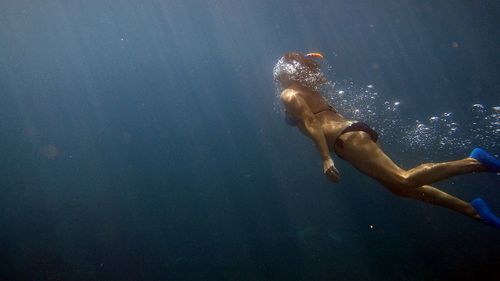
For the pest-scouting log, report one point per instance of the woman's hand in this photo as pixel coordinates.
(330, 171)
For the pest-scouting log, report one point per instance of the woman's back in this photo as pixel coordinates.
(332, 122)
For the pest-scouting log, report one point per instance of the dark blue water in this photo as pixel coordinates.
(140, 140)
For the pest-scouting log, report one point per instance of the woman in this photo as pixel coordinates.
(300, 78)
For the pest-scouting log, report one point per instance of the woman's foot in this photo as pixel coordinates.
(485, 213)
(489, 161)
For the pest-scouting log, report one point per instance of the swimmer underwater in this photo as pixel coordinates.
(300, 77)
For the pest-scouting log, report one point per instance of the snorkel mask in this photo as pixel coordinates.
(314, 55)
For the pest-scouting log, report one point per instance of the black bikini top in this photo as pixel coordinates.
(329, 108)
(291, 121)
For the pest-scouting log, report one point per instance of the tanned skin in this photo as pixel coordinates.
(365, 155)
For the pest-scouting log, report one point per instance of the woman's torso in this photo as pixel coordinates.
(332, 122)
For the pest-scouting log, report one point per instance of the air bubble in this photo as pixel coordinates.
(441, 130)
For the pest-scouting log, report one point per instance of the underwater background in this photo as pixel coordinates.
(143, 140)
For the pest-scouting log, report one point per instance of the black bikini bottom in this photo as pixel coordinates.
(356, 127)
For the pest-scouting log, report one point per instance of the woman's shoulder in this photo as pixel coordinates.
(288, 94)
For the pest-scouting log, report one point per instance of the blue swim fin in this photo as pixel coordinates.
(486, 159)
(485, 213)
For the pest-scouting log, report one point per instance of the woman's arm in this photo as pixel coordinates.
(310, 125)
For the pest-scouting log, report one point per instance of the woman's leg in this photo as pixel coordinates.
(434, 172)
(432, 195)
(366, 156)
